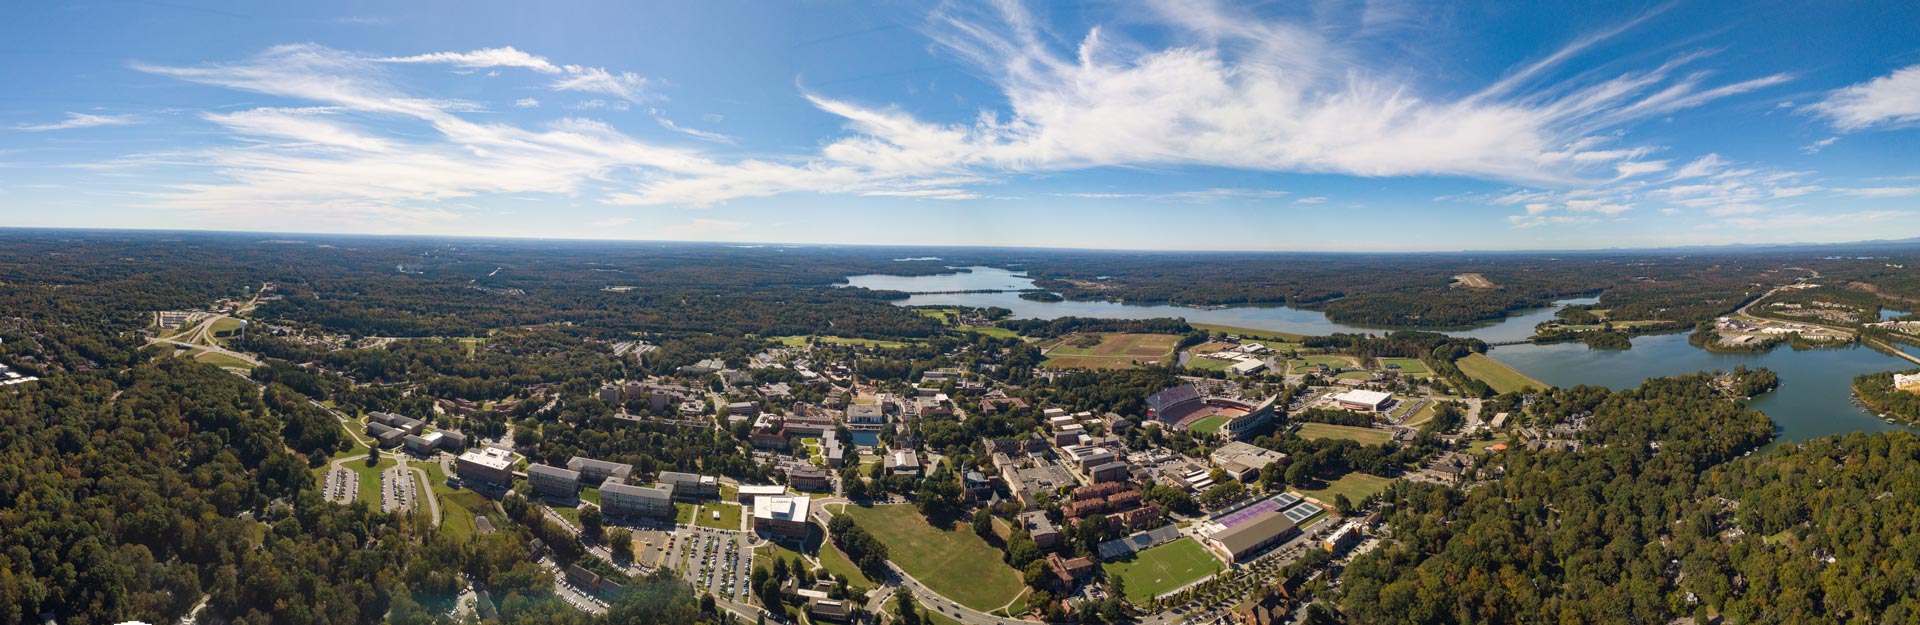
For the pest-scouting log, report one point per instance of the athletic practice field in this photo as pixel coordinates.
(1110, 351)
(1163, 569)
(1364, 436)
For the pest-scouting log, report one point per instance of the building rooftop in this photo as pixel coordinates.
(781, 508)
(489, 457)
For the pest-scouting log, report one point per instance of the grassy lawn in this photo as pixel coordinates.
(801, 341)
(1253, 333)
(222, 360)
(993, 331)
(1502, 378)
(1209, 425)
(1163, 568)
(956, 564)
(1208, 364)
(1364, 436)
(683, 512)
(1353, 375)
(572, 515)
(1356, 486)
(1408, 366)
(370, 478)
(590, 495)
(224, 325)
(729, 516)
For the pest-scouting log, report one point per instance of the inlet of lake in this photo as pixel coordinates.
(1814, 398)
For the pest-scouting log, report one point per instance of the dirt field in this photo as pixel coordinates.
(1472, 281)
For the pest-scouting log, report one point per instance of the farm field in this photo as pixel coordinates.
(1112, 351)
(957, 564)
(1364, 436)
(1356, 486)
(1163, 569)
(1502, 378)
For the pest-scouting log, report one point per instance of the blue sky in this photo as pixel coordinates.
(1175, 124)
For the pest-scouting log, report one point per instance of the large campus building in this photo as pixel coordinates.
(620, 499)
(554, 481)
(486, 464)
(1365, 400)
(690, 486)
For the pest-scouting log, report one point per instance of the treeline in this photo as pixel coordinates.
(1049, 328)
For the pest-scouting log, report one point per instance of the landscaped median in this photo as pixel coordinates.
(957, 564)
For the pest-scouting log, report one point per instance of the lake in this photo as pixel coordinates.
(1815, 385)
(1276, 318)
(1813, 399)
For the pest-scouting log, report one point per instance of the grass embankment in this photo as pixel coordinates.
(955, 563)
(1502, 378)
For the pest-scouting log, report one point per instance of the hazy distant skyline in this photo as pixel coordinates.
(1372, 126)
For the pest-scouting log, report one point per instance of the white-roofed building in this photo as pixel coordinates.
(781, 517)
(1371, 401)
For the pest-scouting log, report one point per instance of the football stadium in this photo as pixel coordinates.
(1185, 407)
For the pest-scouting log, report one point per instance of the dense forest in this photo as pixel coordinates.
(1658, 516)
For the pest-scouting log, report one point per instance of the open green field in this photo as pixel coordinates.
(1502, 378)
(1331, 360)
(590, 495)
(683, 512)
(957, 564)
(1353, 375)
(1356, 486)
(1113, 351)
(993, 331)
(729, 516)
(1162, 569)
(1208, 425)
(1364, 436)
(801, 341)
(1254, 334)
(943, 315)
(370, 478)
(1408, 366)
(1424, 414)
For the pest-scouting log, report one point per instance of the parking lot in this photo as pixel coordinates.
(342, 485)
(396, 490)
(718, 561)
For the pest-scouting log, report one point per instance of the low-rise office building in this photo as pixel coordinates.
(690, 486)
(781, 517)
(620, 499)
(486, 465)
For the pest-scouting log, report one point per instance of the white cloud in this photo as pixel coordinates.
(483, 58)
(1239, 93)
(1881, 192)
(703, 135)
(79, 120)
(1318, 199)
(526, 103)
(324, 161)
(1201, 196)
(1892, 100)
(1817, 146)
(624, 85)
